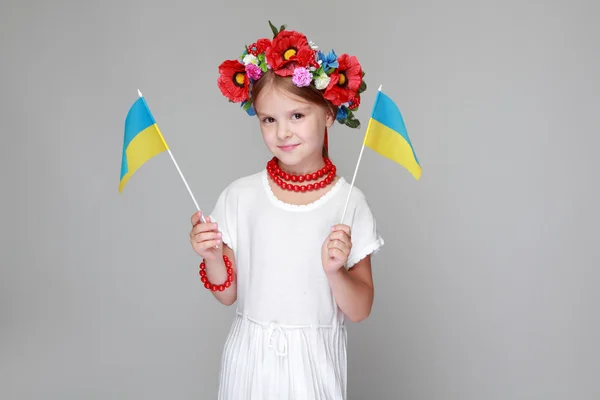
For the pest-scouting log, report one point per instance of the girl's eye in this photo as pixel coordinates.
(298, 116)
(268, 119)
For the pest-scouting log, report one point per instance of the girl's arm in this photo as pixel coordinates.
(216, 272)
(353, 289)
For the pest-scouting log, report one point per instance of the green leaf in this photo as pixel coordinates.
(282, 28)
(353, 123)
(330, 71)
(262, 62)
(363, 87)
(247, 105)
(275, 31)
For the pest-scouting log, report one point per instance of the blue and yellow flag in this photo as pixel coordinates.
(386, 134)
(143, 140)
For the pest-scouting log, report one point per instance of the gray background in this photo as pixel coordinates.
(487, 288)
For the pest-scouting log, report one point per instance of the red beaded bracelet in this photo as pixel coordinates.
(212, 286)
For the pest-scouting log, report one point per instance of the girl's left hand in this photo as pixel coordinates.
(336, 248)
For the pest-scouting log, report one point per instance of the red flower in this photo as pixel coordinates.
(354, 102)
(289, 49)
(258, 47)
(345, 80)
(233, 82)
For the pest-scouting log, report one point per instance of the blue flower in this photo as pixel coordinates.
(329, 60)
(342, 113)
(250, 110)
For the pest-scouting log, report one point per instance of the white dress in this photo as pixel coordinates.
(288, 340)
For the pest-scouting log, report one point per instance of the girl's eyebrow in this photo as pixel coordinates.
(300, 110)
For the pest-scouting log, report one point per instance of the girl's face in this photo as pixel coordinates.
(292, 128)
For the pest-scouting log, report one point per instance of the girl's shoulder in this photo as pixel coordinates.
(357, 196)
(241, 190)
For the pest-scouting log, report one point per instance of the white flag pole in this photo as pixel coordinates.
(358, 162)
(179, 170)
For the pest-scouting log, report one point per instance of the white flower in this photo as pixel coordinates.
(322, 81)
(313, 45)
(250, 59)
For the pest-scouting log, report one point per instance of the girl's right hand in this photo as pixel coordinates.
(206, 238)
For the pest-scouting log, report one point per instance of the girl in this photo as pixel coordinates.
(274, 243)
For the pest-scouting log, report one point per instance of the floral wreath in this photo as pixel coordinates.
(289, 53)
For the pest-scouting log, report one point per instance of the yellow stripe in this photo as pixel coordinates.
(392, 145)
(145, 145)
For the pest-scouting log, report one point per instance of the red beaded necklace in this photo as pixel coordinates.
(279, 177)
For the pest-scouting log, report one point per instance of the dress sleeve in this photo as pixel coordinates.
(223, 214)
(366, 239)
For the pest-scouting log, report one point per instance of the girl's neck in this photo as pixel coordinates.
(307, 167)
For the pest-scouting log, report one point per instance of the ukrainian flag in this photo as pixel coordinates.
(142, 141)
(386, 134)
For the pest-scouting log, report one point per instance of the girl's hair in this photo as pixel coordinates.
(308, 93)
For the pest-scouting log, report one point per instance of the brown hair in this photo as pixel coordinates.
(308, 93)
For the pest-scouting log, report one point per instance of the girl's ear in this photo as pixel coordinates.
(330, 119)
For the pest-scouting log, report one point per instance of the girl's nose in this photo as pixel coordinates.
(283, 132)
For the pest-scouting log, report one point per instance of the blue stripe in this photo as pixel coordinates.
(387, 113)
(138, 118)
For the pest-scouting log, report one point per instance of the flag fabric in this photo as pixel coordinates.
(386, 134)
(143, 140)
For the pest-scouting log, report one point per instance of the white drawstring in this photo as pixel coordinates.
(275, 330)
(277, 333)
